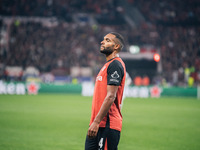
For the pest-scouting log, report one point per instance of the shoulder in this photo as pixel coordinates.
(115, 73)
(116, 65)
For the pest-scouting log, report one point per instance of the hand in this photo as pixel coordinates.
(93, 129)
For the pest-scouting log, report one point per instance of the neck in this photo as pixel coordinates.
(111, 56)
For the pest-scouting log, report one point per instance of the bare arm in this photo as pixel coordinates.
(108, 101)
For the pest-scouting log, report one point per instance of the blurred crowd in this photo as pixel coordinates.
(177, 26)
(105, 10)
(169, 12)
(54, 48)
(172, 27)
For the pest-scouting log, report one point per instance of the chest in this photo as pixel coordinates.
(102, 75)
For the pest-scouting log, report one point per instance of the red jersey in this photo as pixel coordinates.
(112, 73)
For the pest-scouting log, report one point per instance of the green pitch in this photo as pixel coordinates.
(60, 122)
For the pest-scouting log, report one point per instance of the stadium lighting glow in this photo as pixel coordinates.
(134, 49)
(156, 57)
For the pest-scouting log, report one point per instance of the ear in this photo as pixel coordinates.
(117, 47)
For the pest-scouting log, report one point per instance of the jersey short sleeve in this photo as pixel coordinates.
(115, 73)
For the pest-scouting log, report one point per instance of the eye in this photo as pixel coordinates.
(107, 40)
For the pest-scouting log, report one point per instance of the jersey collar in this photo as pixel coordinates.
(112, 59)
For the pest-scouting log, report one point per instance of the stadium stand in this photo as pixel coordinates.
(44, 34)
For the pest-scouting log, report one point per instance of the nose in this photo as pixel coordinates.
(102, 42)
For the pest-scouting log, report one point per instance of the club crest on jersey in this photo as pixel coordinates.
(99, 78)
(115, 75)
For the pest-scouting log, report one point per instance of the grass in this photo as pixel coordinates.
(60, 122)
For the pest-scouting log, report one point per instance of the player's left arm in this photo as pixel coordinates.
(115, 74)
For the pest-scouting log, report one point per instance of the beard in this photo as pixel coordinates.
(107, 51)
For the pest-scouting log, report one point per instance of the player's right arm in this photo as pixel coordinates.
(108, 101)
